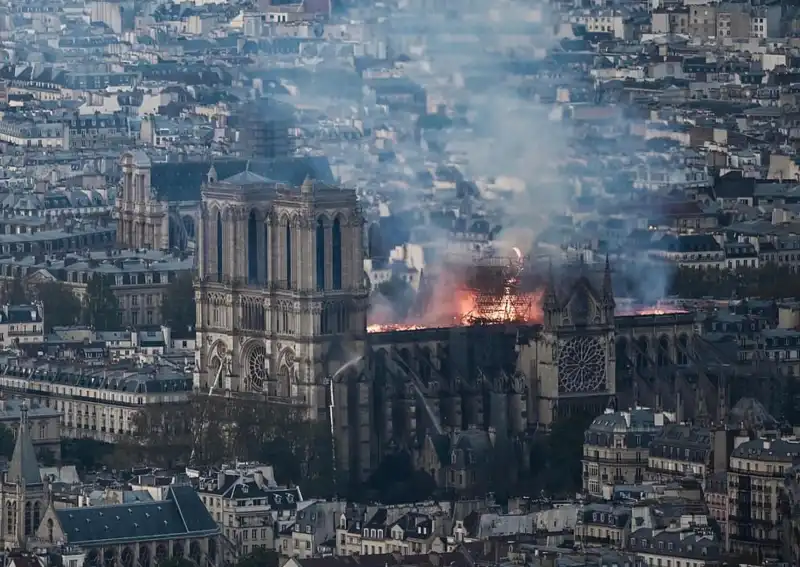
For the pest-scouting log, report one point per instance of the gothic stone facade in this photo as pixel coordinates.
(147, 219)
(281, 297)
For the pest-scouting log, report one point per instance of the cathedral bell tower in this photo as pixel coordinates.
(281, 297)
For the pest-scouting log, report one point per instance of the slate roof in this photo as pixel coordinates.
(20, 314)
(183, 181)
(23, 466)
(237, 486)
(778, 450)
(180, 515)
(246, 177)
(146, 380)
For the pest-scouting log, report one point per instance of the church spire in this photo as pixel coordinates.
(550, 304)
(550, 299)
(608, 290)
(24, 468)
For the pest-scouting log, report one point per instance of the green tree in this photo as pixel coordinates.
(102, 307)
(178, 307)
(260, 557)
(6, 441)
(14, 292)
(61, 306)
(177, 562)
(564, 454)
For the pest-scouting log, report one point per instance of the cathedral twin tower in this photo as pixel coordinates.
(281, 295)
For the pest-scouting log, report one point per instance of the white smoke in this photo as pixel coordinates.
(512, 147)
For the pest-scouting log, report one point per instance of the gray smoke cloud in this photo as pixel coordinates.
(503, 139)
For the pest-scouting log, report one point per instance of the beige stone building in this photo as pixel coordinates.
(616, 445)
(93, 403)
(247, 506)
(411, 533)
(281, 280)
(139, 279)
(313, 528)
(756, 477)
(142, 220)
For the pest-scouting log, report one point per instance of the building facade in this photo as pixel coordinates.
(756, 479)
(23, 494)
(616, 446)
(97, 404)
(281, 288)
(142, 220)
(137, 533)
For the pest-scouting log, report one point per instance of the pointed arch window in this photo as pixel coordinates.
(220, 245)
(336, 253)
(266, 251)
(288, 254)
(37, 515)
(252, 248)
(320, 254)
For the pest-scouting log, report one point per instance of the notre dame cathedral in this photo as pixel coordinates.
(282, 303)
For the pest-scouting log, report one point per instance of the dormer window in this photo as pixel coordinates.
(453, 458)
(380, 534)
(374, 534)
(366, 532)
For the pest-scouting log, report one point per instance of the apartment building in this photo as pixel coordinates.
(61, 240)
(249, 506)
(384, 532)
(756, 476)
(32, 133)
(678, 547)
(616, 446)
(603, 524)
(21, 324)
(679, 450)
(93, 403)
(139, 279)
(313, 529)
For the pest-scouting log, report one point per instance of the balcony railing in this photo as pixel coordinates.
(260, 284)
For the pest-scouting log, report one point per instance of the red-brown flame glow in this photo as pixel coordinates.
(454, 303)
(658, 309)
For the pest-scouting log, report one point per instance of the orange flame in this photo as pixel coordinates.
(454, 305)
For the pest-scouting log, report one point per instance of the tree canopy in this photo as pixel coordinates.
(61, 306)
(211, 429)
(767, 282)
(102, 307)
(6, 441)
(13, 292)
(260, 557)
(178, 306)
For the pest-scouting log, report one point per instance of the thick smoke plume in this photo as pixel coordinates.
(472, 59)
